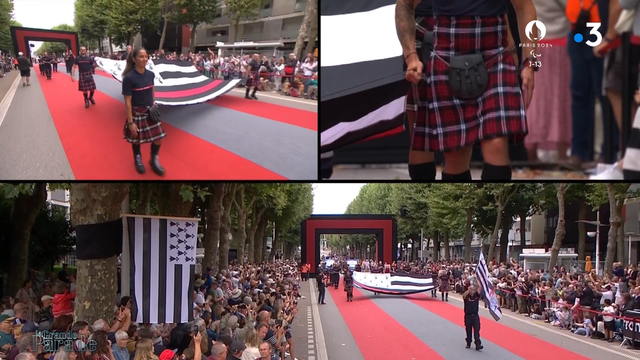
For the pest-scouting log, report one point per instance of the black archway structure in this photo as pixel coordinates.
(384, 227)
(21, 37)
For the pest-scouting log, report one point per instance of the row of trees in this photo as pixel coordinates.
(246, 211)
(455, 211)
(121, 20)
(6, 21)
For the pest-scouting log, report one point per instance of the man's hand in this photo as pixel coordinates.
(601, 50)
(414, 69)
(527, 85)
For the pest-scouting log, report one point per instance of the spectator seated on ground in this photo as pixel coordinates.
(312, 92)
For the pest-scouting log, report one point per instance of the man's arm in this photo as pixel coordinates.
(614, 13)
(406, 25)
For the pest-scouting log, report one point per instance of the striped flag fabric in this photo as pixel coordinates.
(363, 86)
(163, 263)
(393, 284)
(488, 292)
(176, 82)
(631, 164)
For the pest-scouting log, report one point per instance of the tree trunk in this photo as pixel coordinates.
(97, 283)
(304, 28)
(275, 243)
(313, 33)
(110, 47)
(621, 242)
(615, 221)
(131, 37)
(256, 217)
(263, 255)
(259, 240)
(494, 236)
(170, 201)
(192, 45)
(561, 189)
(447, 248)
(468, 235)
(504, 237)
(212, 231)
(235, 22)
(582, 230)
(436, 246)
(523, 230)
(24, 211)
(225, 225)
(164, 33)
(143, 198)
(241, 209)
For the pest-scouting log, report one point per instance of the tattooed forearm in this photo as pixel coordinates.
(406, 25)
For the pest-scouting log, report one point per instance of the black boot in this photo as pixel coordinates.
(442, 296)
(253, 95)
(446, 297)
(91, 99)
(468, 346)
(86, 103)
(139, 165)
(155, 165)
(479, 347)
(246, 94)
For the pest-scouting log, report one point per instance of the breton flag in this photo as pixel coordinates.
(363, 86)
(176, 82)
(163, 262)
(489, 294)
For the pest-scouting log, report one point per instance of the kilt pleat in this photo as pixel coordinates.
(148, 129)
(86, 82)
(255, 81)
(447, 123)
(423, 24)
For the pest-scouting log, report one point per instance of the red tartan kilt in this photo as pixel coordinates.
(86, 82)
(447, 123)
(148, 130)
(422, 24)
(255, 81)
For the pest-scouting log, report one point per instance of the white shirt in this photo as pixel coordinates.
(608, 309)
(606, 295)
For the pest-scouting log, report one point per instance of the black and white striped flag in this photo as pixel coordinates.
(163, 262)
(489, 294)
(363, 86)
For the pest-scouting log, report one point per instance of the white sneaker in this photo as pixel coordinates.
(608, 172)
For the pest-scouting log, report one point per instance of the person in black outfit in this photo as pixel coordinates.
(45, 63)
(69, 61)
(54, 62)
(254, 77)
(471, 318)
(139, 96)
(85, 78)
(126, 54)
(321, 287)
(25, 70)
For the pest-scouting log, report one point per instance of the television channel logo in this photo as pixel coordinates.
(594, 26)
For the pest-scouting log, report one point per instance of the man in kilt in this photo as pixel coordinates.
(422, 164)
(348, 285)
(85, 65)
(253, 68)
(445, 286)
(139, 98)
(461, 104)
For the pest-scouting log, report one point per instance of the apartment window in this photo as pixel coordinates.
(253, 28)
(527, 225)
(301, 5)
(291, 24)
(219, 32)
(266, 5)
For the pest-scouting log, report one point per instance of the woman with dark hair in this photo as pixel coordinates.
(62, 323)
(471, 83)
(26, 296)
(102, 346)
(139, 97)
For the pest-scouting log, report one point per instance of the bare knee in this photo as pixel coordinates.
(457, 162)
(496, 151)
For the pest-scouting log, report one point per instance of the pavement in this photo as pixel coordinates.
(302, 327)
(31, 147)
(401, 172)
(420, 327)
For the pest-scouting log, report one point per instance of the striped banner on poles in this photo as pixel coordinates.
(163, 265)
(489, 294)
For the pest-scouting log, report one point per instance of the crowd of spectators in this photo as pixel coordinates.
(243, 313)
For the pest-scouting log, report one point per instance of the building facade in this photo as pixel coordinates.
(279, 21)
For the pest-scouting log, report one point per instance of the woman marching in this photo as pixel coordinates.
(348, 285)
(139, 97)
(472, 86)
(444, 276)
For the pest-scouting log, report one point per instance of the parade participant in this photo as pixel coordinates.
(25, 70)
(321, 288)
(444, 276)
(471, 318)
(434, 276)
(422, 165)
(335, 277)
(69, 61)
(348, 286)
(126, 54)
(45, 64)
(472, 84)
(54, 62)
(85, 78)
(143, 124)
(253, 68)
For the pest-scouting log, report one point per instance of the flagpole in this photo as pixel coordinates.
(125, 271)
(126, 214)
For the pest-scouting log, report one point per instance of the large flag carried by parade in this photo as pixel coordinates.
(163, 261)
(488, 292)
(176, 82)
(363, 87)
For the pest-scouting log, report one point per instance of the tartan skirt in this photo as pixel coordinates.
(148, 130)
(423, 24)
(85, 82)
(447, 123)
(255, 81)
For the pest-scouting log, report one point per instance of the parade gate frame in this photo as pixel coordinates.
(384, 227)
(21, 37)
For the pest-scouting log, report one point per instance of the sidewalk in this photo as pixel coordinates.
(7, 81)
(302, 329)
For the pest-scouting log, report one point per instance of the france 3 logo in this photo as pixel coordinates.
(579, 38)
